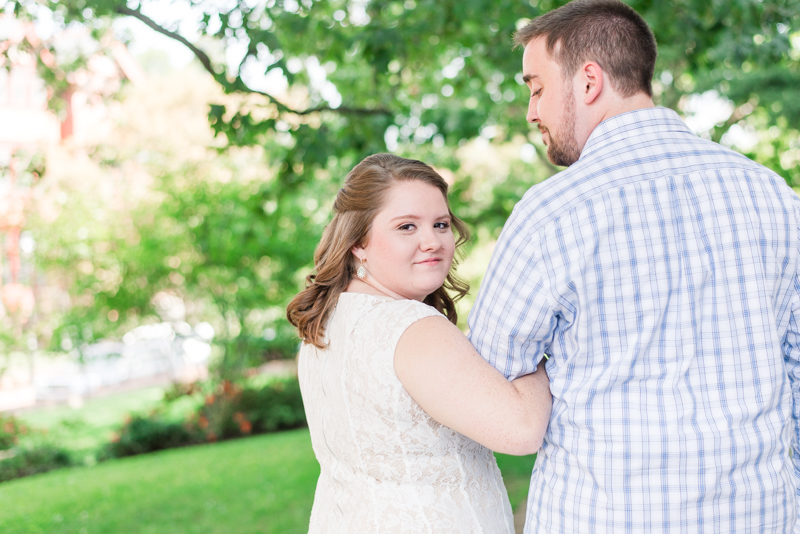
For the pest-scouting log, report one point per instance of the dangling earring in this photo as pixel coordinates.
(361, 273)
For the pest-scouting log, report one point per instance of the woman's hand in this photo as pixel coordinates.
(441, 370)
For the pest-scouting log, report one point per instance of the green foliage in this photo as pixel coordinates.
(278, 406)
(83, 431)
(11, 429)
(441, 71)
(234, 411)
(436, 80)
(242, 245)
(143, 434)
(230, 411)
(232, 245)
(28, 462)
(209, 230)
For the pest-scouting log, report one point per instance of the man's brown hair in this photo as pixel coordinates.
(607, 32)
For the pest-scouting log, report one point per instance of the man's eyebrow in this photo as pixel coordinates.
(528, 77)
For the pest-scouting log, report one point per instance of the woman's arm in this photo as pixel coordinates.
(442, 371)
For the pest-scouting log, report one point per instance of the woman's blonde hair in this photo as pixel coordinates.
(355, 207)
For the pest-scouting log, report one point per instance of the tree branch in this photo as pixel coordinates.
(206, 61)
(345, 110)
(738, 114)
(202, 56)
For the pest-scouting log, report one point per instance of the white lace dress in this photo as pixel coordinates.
(386, 466)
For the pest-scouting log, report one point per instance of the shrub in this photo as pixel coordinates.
(277, 406)
(231, 411)
(28, 462)
(10, 430)
(219, 417)
(234, 411)
(179, 390)
(141, 434)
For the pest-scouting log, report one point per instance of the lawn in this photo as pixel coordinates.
(516, 475)
(263, 484)
(85, 429)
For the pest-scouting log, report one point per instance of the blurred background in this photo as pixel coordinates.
(166, 170)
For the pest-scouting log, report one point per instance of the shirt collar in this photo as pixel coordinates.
(630, 123)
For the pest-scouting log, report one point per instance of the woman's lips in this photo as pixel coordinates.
(432, 261)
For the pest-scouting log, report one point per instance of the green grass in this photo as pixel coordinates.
(516, 476)
(263, 484)
(100, 411)
(85, 429)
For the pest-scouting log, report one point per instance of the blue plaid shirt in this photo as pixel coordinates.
(659, 273)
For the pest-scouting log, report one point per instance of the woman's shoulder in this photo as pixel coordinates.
(376, 328)
(376, 306)
(383, 317)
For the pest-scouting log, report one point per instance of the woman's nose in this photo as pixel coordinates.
(430, 241)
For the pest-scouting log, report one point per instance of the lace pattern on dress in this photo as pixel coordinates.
(386, 466)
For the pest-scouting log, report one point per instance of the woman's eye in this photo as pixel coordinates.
(442, 225)
(536, 93)
(407, 226)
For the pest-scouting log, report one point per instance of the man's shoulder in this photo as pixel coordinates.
(733, 164)
(617, 164)
(736, 159)
(544, 201)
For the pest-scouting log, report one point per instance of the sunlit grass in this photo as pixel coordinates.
(83, 430)
(264, 484)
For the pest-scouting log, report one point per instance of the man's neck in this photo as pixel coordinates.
(624, 105)
(612, 106)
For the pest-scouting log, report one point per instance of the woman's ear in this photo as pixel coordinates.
(359, 252)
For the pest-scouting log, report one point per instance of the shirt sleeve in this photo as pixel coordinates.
(513, 319)
(792, 359)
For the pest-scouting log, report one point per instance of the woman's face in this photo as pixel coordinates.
(410, 245)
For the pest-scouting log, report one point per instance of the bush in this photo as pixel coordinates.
(10, 430)
(141, 434)
(179, 390)
(230, 411)
(278, 406)
(234, 411)
(32, 461)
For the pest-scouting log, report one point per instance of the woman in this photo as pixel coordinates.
(396, 397)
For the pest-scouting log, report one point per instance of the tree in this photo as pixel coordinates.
(366, 76)
(321, 84)
(157, 210)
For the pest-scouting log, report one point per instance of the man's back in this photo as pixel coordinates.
(659, 274)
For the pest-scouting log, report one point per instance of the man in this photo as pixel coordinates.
(659, 275)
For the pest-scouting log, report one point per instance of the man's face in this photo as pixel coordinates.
(552, 104)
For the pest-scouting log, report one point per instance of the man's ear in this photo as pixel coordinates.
(592, 78)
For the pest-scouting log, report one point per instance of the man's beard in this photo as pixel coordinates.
(565, 151)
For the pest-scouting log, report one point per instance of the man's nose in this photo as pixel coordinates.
(532, 116)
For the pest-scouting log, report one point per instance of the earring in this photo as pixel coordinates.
(361, 273)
